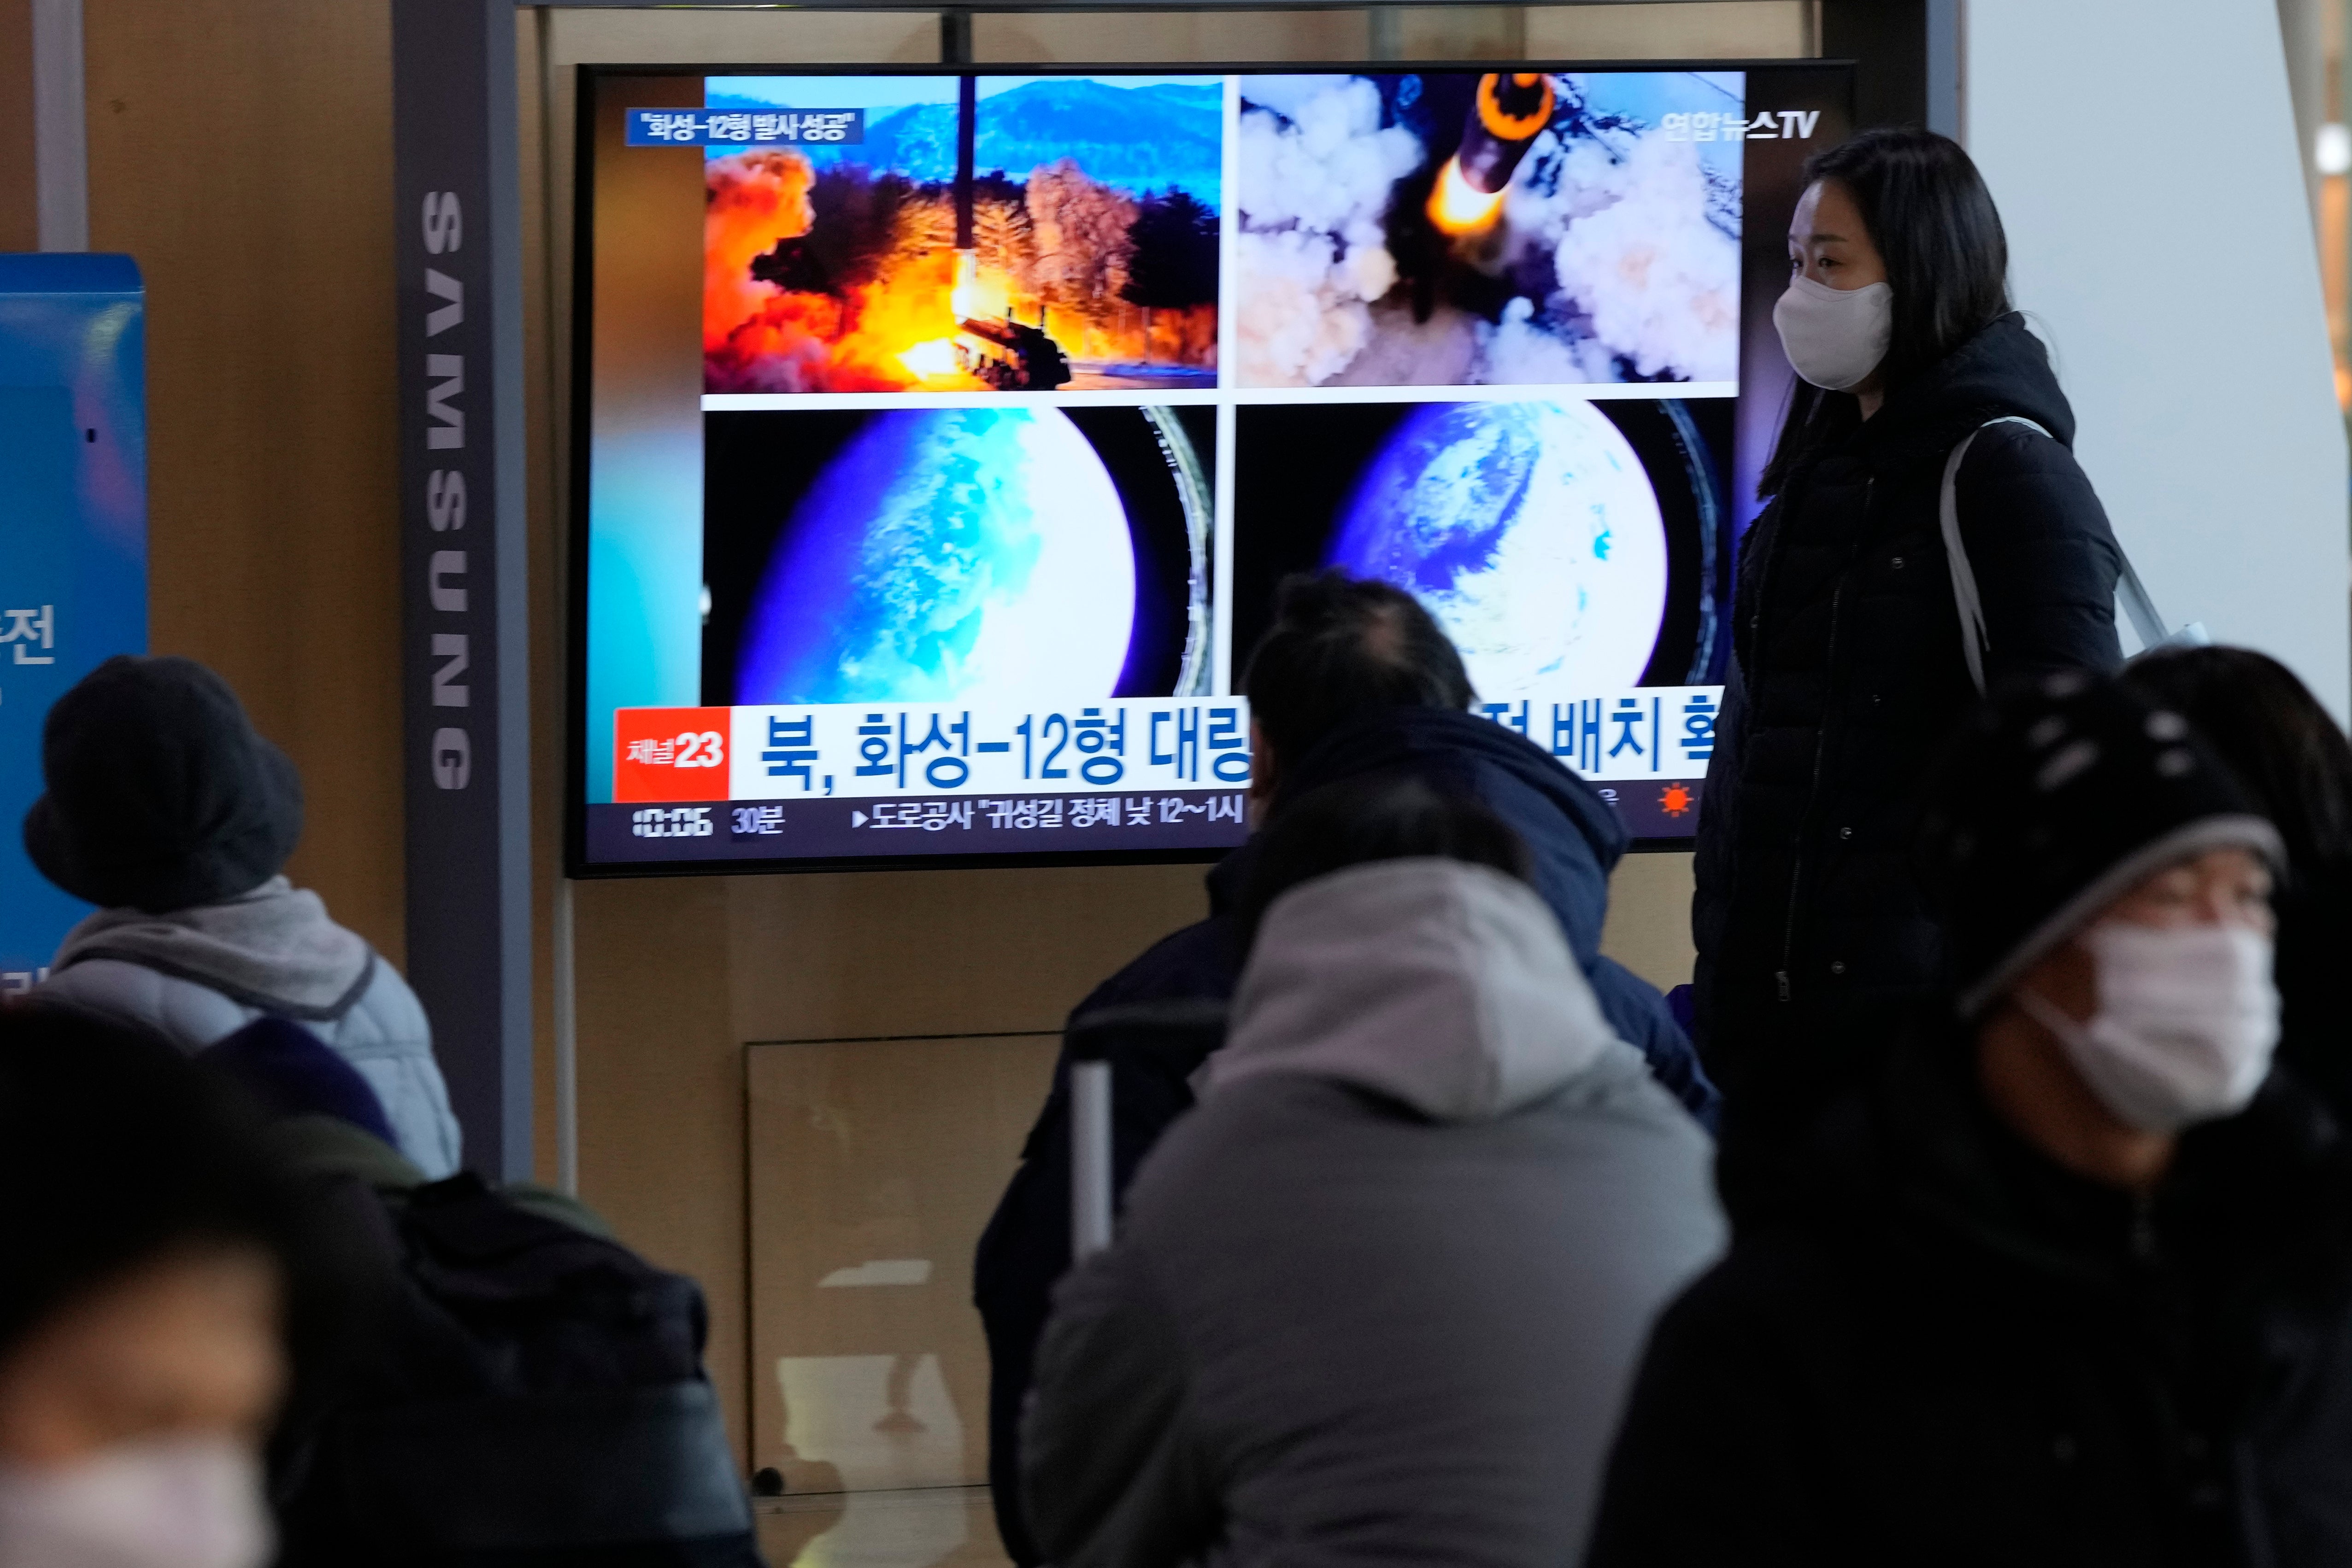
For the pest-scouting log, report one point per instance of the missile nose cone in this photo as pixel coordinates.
(1512, 107)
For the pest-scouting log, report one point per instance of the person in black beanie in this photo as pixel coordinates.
(2297, 765)
(2072, 1281)
(170, 812)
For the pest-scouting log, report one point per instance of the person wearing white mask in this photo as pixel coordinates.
(143, 1295)
(2072, 1284)
(1849, 652)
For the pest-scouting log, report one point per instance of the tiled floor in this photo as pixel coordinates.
(917, 1529)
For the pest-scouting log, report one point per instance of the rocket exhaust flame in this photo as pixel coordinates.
(1458, 207)
(1508, 114)
(936, 358)
(965, 300)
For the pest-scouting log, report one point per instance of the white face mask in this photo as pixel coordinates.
(1835, 337)
(2188, 1018)
(177, 1502)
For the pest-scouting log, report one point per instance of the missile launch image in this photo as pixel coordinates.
(1506, 117)
(999, 233)
(1499, 228)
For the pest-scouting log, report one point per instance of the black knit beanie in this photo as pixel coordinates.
(2054, 799)
(161, 794)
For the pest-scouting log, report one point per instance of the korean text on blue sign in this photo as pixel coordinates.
(1639, 732)
(746, 128)
(892, 749)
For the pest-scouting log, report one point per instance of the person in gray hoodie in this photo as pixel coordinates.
(168, 811)
(1379, 1297)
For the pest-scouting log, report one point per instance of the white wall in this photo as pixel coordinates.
(2144, 156)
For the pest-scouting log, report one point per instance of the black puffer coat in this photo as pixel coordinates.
(1848, 677)
(1951, 1352)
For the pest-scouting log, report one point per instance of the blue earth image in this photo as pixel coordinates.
(945, 555)
(1530, 530)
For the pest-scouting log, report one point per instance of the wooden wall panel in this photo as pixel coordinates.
(972, 952)
(874, 1165)
(1649, 917)
(661, 1092)
(20, 224)
(241, 149)
(1105, 38)
(677, 975)
(1681, 29)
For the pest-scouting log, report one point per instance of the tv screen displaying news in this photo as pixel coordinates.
(940, 440)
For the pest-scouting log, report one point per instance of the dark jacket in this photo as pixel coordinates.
(1379, 1298)
(513, 1388)
(1952, 1352)
(1576, 840)
(1849, 673)
(2314, 936)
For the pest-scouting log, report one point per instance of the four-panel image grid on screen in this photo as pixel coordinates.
(945, 436)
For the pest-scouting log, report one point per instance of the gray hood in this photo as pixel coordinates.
(273, 948)
(1443, 985)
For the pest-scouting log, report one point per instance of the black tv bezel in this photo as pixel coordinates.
(576, 865)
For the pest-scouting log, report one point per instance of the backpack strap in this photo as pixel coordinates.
(1974, 641)
(2146, 620)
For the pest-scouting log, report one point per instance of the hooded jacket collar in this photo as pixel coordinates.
(1442, 984)
(2003, 370)
(273, 948)
(1575, 836)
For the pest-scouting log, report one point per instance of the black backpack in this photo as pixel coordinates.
(514, 1390)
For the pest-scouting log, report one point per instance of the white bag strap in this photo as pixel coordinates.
(1974, 641)
(2147, 621)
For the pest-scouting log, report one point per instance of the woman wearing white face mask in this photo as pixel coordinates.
(1849, 662)
(2072, 1284)
(141, 1302)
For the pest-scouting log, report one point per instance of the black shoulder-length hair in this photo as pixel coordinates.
(2271, 732)
(1936, 227)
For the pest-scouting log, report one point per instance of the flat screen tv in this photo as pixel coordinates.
(941, 439)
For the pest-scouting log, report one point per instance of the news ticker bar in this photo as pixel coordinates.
(921, 825)
(863, 827)
(1661, 735)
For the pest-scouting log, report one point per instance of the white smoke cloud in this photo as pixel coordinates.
(1310, 255)
(1620, 219)
(1660, 282)
(1517, 351)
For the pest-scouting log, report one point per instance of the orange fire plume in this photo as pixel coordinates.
(755, 201)
(1510, 112)
(1057, 256)
(1458, 207)
(755, 336)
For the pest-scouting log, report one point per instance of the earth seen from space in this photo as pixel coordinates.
(1530, 530)
(942, 555)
